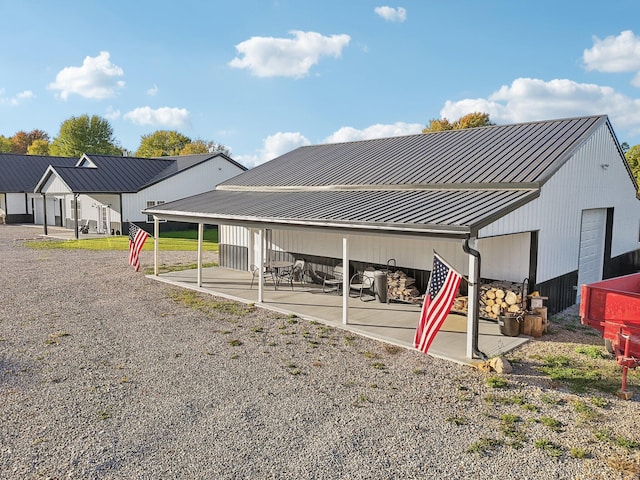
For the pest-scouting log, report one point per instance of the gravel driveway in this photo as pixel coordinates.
(107, 374)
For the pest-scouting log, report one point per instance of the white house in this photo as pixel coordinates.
(553, 202)
(103, 194)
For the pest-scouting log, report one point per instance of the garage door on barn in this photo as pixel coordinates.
(592, 237)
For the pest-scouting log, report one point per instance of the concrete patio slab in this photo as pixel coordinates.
(393, 323)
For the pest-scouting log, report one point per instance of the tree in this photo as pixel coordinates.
(471, 120)
(38, 147)
(6, 145)
(161, 143)
(202, 146)
(22, 140)
(438, 125)
(84, 134)
(633, 159)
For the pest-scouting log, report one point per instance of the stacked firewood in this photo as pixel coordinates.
(500, 298)
(401, 287)
(496, 298)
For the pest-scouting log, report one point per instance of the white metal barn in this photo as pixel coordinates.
(103, 194)
(553, 201)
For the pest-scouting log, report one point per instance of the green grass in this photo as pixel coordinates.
(549, 447)
(168, 241)
(485, 445)
(592, 351)
(580, 375)
(496, 382)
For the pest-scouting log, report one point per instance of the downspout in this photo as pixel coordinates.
(474, 283)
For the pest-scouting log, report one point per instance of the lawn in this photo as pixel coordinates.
(170, 241)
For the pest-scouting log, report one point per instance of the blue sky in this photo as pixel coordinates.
(264, 77)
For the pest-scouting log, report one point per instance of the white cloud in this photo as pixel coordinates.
(391, 14)
(16, 99)
(349, 134)
(97, 78)
(163, 116)
(274, 146)
(112, 114)
(287, 57)
(152, 91)
(530, 99)
(614, 54)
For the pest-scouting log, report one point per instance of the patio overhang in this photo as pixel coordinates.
(443, 213)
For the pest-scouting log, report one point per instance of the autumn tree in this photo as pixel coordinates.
(471, 120)
(162, 143)
(84, 134)
(633, 159)
(202, 146)
(38, 147)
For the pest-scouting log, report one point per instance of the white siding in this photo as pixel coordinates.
(582, 183)
(54, 185)
(199, 179)
(231, 235)
(16, 204)
(90, 208)
(503, 258)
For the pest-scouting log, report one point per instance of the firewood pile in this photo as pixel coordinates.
(401, 287)
(496, 298)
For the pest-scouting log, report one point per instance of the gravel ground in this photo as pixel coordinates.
(107, 374)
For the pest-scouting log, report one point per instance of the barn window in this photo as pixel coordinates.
(153, 203)
(72, 208)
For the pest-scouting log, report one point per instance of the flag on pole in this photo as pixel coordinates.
(137, 237)
(443, 285)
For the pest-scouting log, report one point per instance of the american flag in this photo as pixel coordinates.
(443, 285)
(137, 237)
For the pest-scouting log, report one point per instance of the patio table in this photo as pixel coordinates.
(279, 268)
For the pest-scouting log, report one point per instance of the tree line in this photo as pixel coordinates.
(85, 134)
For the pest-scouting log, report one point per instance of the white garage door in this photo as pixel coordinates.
(591, 259)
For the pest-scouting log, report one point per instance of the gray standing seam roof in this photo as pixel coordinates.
(21, 173)
(521, 153)
(454, 182)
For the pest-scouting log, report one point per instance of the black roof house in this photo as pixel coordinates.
(21, 173)
(115, 174)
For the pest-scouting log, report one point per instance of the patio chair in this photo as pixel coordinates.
(294, 274)
(256, 272)
(333, 281)
(363, 284)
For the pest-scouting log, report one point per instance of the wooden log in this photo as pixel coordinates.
(532, 325)
(542, 311)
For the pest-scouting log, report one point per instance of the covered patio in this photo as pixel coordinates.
(393, 323)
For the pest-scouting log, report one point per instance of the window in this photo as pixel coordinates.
(72, 209)
(153, 203)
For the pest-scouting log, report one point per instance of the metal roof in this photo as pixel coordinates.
(453, 182)
(448, 212)
(20, 173)
(521, 153)
(115, 174)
